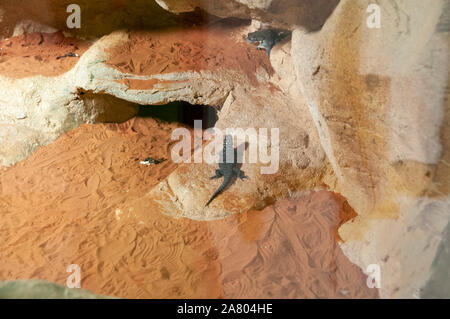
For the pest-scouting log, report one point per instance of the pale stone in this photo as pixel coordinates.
(378, 98)
(40, 289)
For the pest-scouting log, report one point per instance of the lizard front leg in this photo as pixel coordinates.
(218, 174)
(240, 173)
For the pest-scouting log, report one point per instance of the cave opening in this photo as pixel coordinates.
(181, 112)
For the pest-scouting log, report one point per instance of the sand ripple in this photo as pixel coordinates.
(81, 201)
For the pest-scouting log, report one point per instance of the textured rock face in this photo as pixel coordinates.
(379, 99)
(363, 110)
(307, 14)
(301, 166)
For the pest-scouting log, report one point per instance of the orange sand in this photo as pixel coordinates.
(35, 54)
(178, 50)
(81, 200)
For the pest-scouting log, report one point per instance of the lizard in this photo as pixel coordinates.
(149, 161)
(227, 169)
(266, 38)
(70, 54)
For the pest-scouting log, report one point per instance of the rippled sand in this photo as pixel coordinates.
(37, 54)
(81, 201)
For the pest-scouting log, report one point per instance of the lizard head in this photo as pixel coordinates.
(228, 139)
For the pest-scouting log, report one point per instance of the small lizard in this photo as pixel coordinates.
(228, 168)
(149, 161)
(267, 38)
(70, 54)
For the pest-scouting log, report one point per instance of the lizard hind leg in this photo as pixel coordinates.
(240, 173)
(218, 174)
(265, 45)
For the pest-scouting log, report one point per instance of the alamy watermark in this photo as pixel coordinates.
(373, 272)
(258, 144)
(74, 19)
(373, 21)
(74, 279)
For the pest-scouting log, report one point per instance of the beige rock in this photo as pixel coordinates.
(29, 26)
(307, 14)
(40, 289)
(376, 96)
(301, 160)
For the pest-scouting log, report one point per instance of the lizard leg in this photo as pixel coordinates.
(240, 173)
(218, 174)
(267, 45)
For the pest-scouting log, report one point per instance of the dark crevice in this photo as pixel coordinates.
(181, 112)
(106, 108)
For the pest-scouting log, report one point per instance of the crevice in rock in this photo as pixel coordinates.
(101, 107)
(181, 112)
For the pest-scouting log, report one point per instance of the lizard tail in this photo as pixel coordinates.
(220, 189)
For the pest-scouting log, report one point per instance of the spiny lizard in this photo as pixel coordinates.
(227, 168)
(266, 38)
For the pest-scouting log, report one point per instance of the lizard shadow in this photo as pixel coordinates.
(239, 153)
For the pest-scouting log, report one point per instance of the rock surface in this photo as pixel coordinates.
(379, 99)
(39, 289)
(308, 14)
(361, 110)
